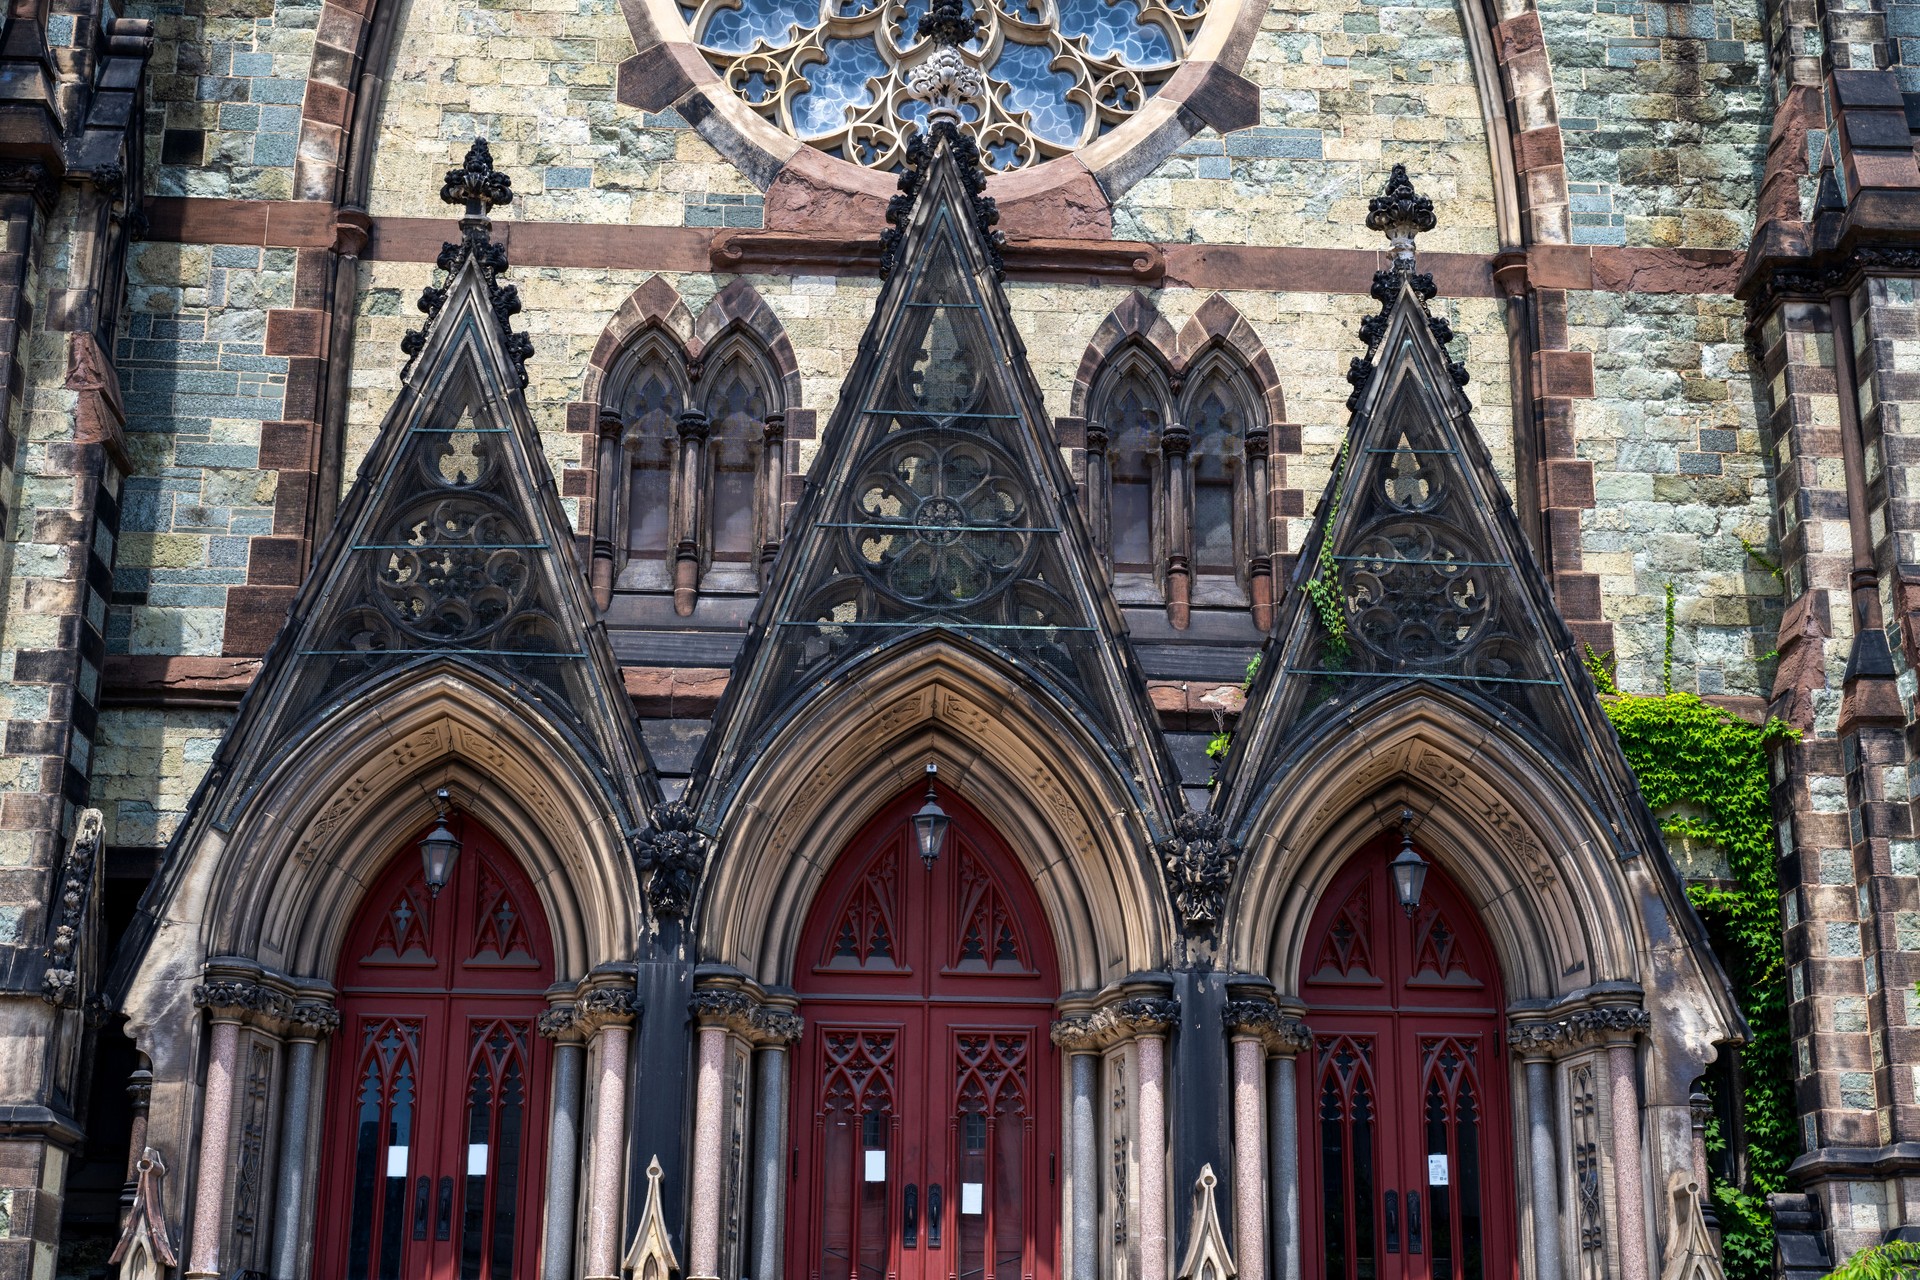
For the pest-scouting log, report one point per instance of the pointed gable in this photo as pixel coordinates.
(1416, 568)
(939, 503)
(451, 547)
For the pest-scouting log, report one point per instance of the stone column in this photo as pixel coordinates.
(610, 477)
(1153, 1154)
(226, 1002)
(606, 1014)
(1082, 1046)
(770, 1163)
(1618, 1027)
(1264, 1137)
(773, 490)
(703, 1214)
(689, 507)
(561, 1024)
(1175, 442)
(1259, 526)
(307, 1024)
(1097, 495)
(1533, 1043)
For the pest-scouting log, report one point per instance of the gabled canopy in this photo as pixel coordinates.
(939, 504)
(1417, 570)
(451, 550)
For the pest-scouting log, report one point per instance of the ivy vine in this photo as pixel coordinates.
(1323, 588)
(1707, 771)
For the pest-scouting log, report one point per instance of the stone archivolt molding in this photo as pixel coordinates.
(1120, 1021)
(1549, 1037)
(1278, 1031)
(760, 1023)
(267, 1005)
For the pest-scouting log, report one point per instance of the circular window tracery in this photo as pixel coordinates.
(1054, 74)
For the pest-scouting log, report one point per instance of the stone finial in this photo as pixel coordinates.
(1207, 1255)
(146, 1249)
(476, 184)
(1691, 1251)
(652, 1256)
(1401, 213)
(945, 78)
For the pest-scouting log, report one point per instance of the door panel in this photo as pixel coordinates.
(1406, 1167)
(437, 1104)
(926, 1143)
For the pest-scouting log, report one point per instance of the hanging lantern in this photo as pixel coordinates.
(441, 846)
(1409, 868)
(930, 823)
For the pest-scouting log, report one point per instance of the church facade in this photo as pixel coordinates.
(785, 641)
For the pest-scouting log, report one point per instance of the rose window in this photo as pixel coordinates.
(1052, 74)
(939, 522)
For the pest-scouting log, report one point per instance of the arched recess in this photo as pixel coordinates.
(1025, 763)
(1566, 915)
(279, 887)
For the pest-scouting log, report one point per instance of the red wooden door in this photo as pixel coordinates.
(926, 1124)
(1406, 1144)
(437, 1098)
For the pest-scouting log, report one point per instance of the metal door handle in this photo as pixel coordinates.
(910, 1219)
(933, 1215)
(443, 1228)
(422, 1205)
(1393, 1222)
(1413, 1221)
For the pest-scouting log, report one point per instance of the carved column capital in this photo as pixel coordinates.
(1258, 442)
(606, 1007)
(1608, 1024)
(1536, 1038)
(774, 427)
(311, 1019)
(236, 999)
(1176, 441)
(755, 1021)
(1114, 1023)
(1263, 1020)
(561, 1024)
(693, 425)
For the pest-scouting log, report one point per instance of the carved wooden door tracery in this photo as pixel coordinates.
(1406, 1149)
(927, 1132)
(437, 1100)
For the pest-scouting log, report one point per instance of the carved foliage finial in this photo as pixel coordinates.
(985, 213)
(672, 853)
(652, 1256)
(1400, 213)
(1198, 859)
(1207, 1255)
(475, 185)
(146, 1250)
(945, 78)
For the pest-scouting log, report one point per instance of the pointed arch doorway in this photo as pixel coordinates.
(926, 1127)
(436, 1114)
(1406, 1161)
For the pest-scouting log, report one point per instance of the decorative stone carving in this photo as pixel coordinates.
(235, 997)
(476, 185)
(652, 1256)
(1691, 1252)
(1278, 1031)
(740, 1013)
(672, 853)
(311, 1018)
(966, 152)
(1207, 1255)
(561, 1022)
(1533, 1037)
(146, 1250)
(1122, 1020)
(1400, 213)
(606, 1006)
(60, 984)
(1198, 860)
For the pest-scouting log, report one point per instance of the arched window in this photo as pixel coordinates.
(1128, 510)
(1176, 482)
(692, 464)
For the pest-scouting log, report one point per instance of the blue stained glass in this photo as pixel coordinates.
(1042, 93)
(842, 82)
(915, 110)
(1114, 29)
(906, 34)
(775, 21)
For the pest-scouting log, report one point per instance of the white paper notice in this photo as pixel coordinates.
(876, 1166)
(973, 1197)
(396, 1162)
(1437, 1171)
(476, 1159)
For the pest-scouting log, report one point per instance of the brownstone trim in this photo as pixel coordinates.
(1135, 322)
(739, 306)
(1218, 324)
(305, 224)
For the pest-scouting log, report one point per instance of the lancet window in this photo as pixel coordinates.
(1176, 485)
(692, 465)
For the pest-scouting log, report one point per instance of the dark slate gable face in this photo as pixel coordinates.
(939, 505)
